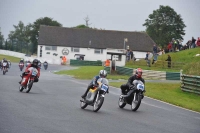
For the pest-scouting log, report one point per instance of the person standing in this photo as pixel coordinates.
(193, 42)
(169, 61)
(198, 42)
(131, 55)
(155, 51)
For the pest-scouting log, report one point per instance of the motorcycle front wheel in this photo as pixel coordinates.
(29, 86)
(136, 102)
(21, 88)
(121, 103)
(83, 104)
(98, 103)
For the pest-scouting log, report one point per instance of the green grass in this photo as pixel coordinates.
(192, 62)
(88, 72)
(170, 93)
(11, 58)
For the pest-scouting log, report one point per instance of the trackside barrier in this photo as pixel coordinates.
(124, 70)
(85, 63)
(147, 74)
(190, 83)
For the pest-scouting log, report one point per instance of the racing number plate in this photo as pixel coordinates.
(104, 87)
(34, 73)
(140, 87)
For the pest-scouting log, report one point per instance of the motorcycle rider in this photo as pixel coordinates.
(35, 65)
(93, 83)
(45, 63)
(129, 85)
(21, 61)
(5, 61)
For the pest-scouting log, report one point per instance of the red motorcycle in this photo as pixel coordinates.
(28, 79)
(21, 66)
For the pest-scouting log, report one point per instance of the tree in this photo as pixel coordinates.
(81, 26)
(20, 37)
(35, 29)
(1, 40)
(164, 24)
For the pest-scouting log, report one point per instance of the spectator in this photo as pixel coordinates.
(174, 44)
(155, 51)
(193, 42)
(198, 42)
(146, 55)
(131, 54)
(127, 55)
(169, 61)
(189, 44)
(149, 56)
(170, 46)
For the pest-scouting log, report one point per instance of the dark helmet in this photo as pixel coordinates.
(103, 73)
(138, 73)
(35, 62)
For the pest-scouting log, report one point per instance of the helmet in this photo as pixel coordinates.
(35, 62)
(103, 73)
(138, 73)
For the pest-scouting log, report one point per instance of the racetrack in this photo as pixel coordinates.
(53, 106)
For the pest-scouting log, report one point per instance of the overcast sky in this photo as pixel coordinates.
(123, 15)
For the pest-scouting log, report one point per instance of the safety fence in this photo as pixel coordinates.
(160, 64)
(147, 74)
(85, 63)
(190, 83)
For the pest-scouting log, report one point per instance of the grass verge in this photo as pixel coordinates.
(11, 58)
(170, 93)
(88, 72)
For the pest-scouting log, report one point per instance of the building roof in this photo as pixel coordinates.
(91, 38)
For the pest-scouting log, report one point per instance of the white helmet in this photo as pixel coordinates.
(103, 73)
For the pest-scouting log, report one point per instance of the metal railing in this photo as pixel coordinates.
(190, 83)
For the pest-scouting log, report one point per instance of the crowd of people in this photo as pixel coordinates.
(176, 45)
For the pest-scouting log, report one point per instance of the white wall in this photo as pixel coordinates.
(12, 53)
(89, 54)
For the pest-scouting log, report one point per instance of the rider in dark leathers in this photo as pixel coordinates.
(129, 85)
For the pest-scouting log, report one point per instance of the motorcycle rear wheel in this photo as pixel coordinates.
(136, 102)
(29, 86)
(98, 104)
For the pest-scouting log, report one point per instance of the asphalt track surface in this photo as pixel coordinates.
(53, 106)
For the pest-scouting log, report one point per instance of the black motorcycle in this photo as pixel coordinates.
(95, 96)
(133, 96)
(45, 65)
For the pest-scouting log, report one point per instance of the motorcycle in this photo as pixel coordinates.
(28, 79)
(133, 97)
(21, 66)
(45, 65)
(4, 68)
(95, 96)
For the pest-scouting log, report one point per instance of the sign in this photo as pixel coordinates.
(65, 51)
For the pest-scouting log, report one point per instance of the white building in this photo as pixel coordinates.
(55, 42)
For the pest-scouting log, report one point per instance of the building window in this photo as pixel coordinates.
(74, 49)
(52, 48)
(98, 51)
